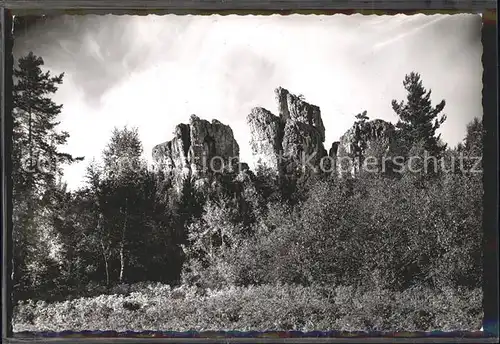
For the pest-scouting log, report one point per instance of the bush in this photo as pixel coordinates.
(258, 308)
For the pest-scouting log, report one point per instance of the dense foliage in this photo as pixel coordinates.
(150, 307)
(306, 252)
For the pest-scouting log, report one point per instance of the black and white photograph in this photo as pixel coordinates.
(247, 173)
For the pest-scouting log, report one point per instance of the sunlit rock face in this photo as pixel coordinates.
(266, 132)
(294, 109)
(371, 138)
(283, 143)
(197, 151)
(294, 138)
(287, 143)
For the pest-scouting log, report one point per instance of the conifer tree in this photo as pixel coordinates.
(36, 155)
(473, 142)
(36, 162)
(361, 117)
(418, 119)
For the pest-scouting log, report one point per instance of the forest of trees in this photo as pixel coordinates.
(395, 231)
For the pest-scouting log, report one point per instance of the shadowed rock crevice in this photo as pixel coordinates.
(334, 149)
(186, 138)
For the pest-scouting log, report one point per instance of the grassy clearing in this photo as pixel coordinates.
(285, 307)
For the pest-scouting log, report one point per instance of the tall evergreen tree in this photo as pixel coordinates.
(469, 152)
(473, 142)
(36, 155)
(418, 119)
(37, 162)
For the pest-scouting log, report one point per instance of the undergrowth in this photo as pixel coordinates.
(157, 307)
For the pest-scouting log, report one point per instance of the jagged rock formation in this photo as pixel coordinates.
(363, 137)
(197, 151)
(284, 142)
(267, 134)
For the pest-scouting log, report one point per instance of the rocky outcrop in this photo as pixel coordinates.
(364, 135)
(266, 132)
(365, 138)
(284, 143)
(292, 139)
(197, 151)
(293, 108)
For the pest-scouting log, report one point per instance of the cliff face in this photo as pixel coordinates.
(266, 137)
(197, 150)
(366, 138)
(293, 109)
(283, 142)
(364, 135)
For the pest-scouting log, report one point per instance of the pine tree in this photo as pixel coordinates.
(473, 142)
(361, 117)
(469, 152)
(418, 119)
(36, 157)
(37, 163)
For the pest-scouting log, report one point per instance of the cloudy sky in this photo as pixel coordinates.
(153, 72)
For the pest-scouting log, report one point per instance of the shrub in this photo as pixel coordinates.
(258, 308)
